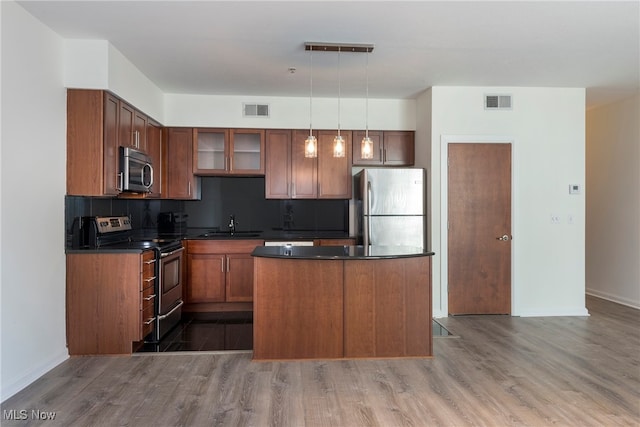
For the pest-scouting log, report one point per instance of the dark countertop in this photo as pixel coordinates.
(212, 234)
(339, 252)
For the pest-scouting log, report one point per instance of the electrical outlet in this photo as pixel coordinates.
(570, 219)
(555, 219)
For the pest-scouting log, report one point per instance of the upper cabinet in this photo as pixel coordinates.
(291, 175)
(178, 180)
(228, 151)
(132, 128)
(390, 148)
(98, 123)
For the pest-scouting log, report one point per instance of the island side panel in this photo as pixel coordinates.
(388, 308)
(419, 334)
(298, 309)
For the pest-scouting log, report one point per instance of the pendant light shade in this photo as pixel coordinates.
(338, 142)
(311, 144)
(366, 147)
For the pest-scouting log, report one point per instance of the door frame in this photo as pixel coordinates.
(445, 140)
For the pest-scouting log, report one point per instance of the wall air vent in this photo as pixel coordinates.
(255, 110)
(497, 102)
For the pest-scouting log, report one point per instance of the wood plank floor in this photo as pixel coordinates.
(497, 371)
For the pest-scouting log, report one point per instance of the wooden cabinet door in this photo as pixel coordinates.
(304, 170)
(239, 277)
(210, 151)
(334, 173)
(179, 182)
(246, 152)
(277, 174)
(205, 278)
(376, 139)
(140, 131)
(154, 149)
(399, 148)
(111, 156)
(126, 136)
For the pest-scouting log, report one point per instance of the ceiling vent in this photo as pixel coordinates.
(255, 110)
(497, 102)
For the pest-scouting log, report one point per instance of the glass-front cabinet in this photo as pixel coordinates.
(228, 151)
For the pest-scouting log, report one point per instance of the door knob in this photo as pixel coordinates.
(504, 238)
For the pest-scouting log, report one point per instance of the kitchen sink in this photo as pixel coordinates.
(245, 233)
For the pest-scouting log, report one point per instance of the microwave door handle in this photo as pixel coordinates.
(147, 165)
(150, 183)
(119, 181)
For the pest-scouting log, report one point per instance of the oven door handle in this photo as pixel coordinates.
(172, 252)
(164, 316)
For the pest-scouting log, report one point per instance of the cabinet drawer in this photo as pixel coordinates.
(148, 270)
(148, 320)
(148, 297)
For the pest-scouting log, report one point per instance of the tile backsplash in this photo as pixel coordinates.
(221, 197)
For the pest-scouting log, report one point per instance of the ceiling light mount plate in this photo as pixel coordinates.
(338, 47)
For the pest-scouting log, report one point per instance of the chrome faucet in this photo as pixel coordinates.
(232, 224)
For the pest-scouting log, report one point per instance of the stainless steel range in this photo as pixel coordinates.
(115, 232)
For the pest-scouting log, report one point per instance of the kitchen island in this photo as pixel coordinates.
(341, 302)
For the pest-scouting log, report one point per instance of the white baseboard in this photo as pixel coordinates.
(554, 312)
(614, 298)
(18, 384)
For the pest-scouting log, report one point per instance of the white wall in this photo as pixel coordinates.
(547, 129)
(33, 187)
(613, 202)
(288, 112)
(96, 64)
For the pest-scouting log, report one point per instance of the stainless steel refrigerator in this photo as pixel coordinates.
(390, 207)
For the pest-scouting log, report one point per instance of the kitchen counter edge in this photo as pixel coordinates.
(339, 252)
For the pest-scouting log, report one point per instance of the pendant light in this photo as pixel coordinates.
(338, 141)
(366, 147)
(311, 144)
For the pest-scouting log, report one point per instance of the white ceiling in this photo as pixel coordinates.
(247, 47)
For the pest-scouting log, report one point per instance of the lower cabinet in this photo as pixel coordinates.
(219, 271)
(110, 301)
(334, 242)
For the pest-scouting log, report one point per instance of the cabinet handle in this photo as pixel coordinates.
(230, 164)
(381, 155)
(222, 265)
(228, 266)
(153, 261)
(150, 279)
(150, 297)
(293, 190)
(189, 188)
(150, 321)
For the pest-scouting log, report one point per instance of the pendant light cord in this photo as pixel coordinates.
(366, 68)
(311, 91)
(338, 91)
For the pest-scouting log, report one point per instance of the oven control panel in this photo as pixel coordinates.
(110, 224)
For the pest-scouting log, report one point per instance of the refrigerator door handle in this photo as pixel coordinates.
(369, 190)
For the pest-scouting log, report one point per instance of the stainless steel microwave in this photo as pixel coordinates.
(135, 171)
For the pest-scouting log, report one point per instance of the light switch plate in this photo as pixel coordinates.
(574, 188)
